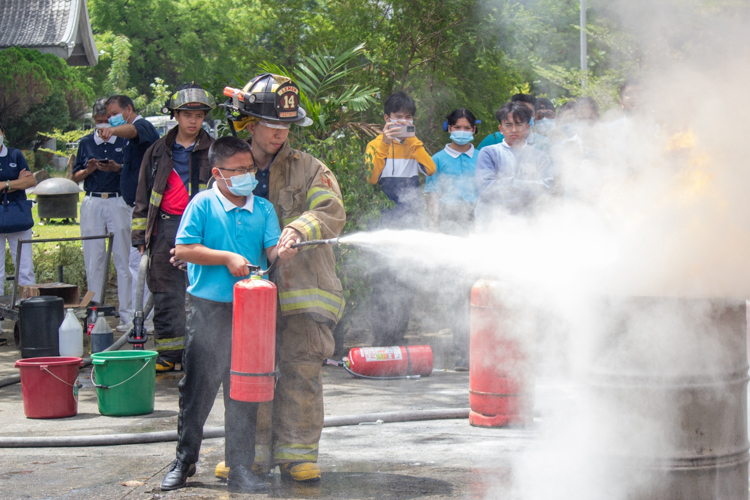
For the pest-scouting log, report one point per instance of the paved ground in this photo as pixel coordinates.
(425, 460)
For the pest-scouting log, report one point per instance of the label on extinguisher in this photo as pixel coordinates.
(381, 353)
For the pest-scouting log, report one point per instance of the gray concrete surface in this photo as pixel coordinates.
(424, 460)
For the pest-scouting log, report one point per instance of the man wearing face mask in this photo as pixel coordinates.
(174, 170)
(308, 203)
(139, 135)
(98, 164)
(545, 117)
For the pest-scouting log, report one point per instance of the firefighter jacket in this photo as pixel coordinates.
(152, 181)
(306, 196)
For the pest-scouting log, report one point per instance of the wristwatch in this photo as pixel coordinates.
(7, 186)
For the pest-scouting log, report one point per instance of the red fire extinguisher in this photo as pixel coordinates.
(390, 362)
(500, 378)
(252, 376)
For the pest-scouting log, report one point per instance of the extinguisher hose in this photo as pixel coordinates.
(259, 272)
(218, 432)
(342, 364)
(399, 377)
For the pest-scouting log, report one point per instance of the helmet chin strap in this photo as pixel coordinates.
(231, 128)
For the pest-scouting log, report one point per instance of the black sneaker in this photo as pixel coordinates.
(177, 475)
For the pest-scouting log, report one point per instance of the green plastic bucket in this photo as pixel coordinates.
(125, 381)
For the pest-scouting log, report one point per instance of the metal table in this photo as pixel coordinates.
(9, 303)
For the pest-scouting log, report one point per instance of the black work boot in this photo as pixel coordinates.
(177, 476)
(242, 480)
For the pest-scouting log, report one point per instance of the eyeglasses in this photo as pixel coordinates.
(514, 126)
(241, 171)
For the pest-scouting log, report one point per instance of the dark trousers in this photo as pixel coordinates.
(392, 296)
(207, 359)
(458, 220)
(167, 284)
(391, 301)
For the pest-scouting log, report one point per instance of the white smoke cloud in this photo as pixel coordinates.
(639, 274)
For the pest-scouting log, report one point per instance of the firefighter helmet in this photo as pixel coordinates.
(189, 97)
(267, 97)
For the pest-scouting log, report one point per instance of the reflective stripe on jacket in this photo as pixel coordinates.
(155, 170)
(306, 196)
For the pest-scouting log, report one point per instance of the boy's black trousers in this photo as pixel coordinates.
(206, 362)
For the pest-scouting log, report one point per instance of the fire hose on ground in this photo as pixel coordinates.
(119, 343)
(218, 432)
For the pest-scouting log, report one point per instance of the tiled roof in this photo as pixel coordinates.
(60, 27)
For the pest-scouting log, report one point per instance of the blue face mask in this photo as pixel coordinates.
(531, 122)
(242, 185)
(117, 120)
(570, 129)
(462, 137)
(545, 125)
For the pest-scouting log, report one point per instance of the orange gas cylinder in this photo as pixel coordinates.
(500, 381)
(252, 376)
(391, 361)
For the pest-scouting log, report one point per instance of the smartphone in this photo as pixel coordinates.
(407, 130)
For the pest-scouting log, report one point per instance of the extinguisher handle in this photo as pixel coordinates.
(256, 270)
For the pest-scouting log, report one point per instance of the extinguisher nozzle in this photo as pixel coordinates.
(331, 241)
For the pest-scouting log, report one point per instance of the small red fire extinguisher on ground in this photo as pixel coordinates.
(389, 362)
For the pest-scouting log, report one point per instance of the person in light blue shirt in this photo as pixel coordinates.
(452, 194)
(452, 190)
(513, 176)
(222, 231)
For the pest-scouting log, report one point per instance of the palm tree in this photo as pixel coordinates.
(331, 103)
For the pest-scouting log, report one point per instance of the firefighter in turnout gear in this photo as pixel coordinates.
(308, 202)
(174, 169)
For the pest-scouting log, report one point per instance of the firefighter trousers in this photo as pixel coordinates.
(167, 284)
(207, 360)
(289, 427)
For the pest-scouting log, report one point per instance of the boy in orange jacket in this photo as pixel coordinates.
(395, 160)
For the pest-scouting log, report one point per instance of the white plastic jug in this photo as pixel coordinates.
(71, 336)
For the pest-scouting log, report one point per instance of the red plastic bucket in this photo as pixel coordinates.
(49, 386)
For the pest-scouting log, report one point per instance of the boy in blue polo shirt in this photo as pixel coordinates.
(222, 230)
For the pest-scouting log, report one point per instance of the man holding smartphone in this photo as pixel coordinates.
(103, 210)
(395, 159)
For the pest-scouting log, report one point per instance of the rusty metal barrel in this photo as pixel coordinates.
(670, 381)
(500, 380)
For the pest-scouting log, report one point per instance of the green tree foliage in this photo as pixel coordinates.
(330, 103)
(112, 75)
(170, 39)
(445, 53)
(40, 93)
